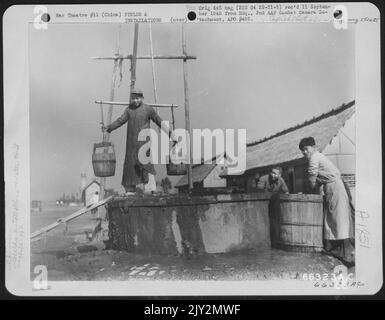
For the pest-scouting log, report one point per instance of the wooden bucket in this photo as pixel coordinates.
(176, 169)
(104, 163)
(298, 220)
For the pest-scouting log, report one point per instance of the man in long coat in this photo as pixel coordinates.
(137, 116)
(339, 211)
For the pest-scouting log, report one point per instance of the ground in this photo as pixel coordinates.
(72, 257)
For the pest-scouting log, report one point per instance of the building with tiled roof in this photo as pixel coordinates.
(334, 133)
(205, 175)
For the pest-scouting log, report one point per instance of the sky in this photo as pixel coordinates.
(259, 77)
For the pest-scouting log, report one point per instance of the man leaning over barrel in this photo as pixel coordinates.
(137, 116)
(339, 211)
(273, 182)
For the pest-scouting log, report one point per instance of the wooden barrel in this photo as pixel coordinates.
(104, 163)
(299, 222)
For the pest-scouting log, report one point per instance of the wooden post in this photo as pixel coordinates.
(187, 111)
(133, 59)
(106, 135)
(101, 212)
(157, 57)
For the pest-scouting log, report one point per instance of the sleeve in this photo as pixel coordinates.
(158, 121)
(284, 187)
(313, 170)
(118, 122)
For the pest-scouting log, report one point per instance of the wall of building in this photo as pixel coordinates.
(90, 191)
(296, 177)
(213, 179)
(189, 224)
(341, 151)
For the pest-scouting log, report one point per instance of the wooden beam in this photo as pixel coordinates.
(106, 135)
(70, 217)
(155, 105)
(133, 58)
(161, 57)
(187, 110)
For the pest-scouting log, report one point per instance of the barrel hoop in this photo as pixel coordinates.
(301, 224)
(297, 200)
(292, 244)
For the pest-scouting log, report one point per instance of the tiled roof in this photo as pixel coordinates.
(283, 146)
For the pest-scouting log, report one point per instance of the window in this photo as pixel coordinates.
(291, 181)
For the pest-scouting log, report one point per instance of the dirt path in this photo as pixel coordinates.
(65, 260)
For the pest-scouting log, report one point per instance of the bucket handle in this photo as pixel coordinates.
(104, 145)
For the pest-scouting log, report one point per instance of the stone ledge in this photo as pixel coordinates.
(183, 200)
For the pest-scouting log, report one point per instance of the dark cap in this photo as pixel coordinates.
(137, 92)
(309, 141)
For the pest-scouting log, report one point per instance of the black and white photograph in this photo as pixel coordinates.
(193, 153)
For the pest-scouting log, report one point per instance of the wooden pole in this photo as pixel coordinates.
(119, 103)
(157, 57)
(187, 111)
(133, 59)
(106, 135)
(67, 219)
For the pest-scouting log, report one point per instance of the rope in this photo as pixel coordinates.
(153, 67)
(119, 62)
(173, 118)
(102, 122)
(120, 68)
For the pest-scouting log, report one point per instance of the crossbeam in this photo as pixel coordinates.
(154, 105)
(130, 56)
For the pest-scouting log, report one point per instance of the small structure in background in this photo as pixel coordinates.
(334, 133)
(36, 206)
(206, 177)
(88, 193)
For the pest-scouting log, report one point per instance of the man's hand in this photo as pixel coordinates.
(173, 139)
(106, 129)
(174, 143)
